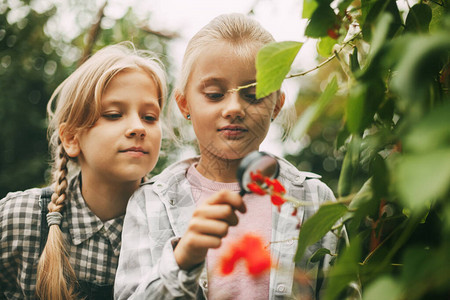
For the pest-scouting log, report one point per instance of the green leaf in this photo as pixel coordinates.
(345, 177)
(431, 133)
(379, 8)
(314, 110)
(426, 271)
(423, 178)
(386, 110)
(349, 166)
(325, 46)
(417, 69)
(273, 62)
(309, 6)
(384, 287)
(344, 271)
(321, 20)
(379, 39)
(363, 102)
(342, 137)
(318, 225)
(418, 19)
(354, 63)
(380, 179)
(319, 254)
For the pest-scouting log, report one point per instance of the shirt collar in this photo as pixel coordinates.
(85, 223)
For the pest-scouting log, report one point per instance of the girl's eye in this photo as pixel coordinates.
(150, 118)
(251, 98)
(112, 116)
(214, 96)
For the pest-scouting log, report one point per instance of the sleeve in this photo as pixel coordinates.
(19, 239)
(6, 263)
(147, 268)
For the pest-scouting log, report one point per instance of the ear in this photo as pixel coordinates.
(279, 105)
(69, 141)
(182, 103)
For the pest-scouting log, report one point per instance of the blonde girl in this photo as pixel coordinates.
(105, 136)
(178, 225)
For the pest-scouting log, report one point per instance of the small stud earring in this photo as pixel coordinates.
(188, 116)
(271, 119)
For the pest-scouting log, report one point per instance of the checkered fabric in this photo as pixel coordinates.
(93, 245)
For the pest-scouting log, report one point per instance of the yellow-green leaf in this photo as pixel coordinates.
(272, 65)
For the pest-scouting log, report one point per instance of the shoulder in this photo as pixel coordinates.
(20, 215)
(172, 180)
(20, 203)
(174, 171)
(309, 181)
(291, 173)
(172, 177)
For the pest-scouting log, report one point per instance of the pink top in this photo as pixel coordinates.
(257, 220)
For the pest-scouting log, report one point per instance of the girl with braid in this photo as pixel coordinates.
(63, 241)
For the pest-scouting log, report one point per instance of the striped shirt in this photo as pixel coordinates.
(93, 245)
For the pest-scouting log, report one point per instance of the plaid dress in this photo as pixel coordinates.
(93, 245)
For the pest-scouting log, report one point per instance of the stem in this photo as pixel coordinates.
(328, 59)
(308, 71)
(379, 245)
(283, 241)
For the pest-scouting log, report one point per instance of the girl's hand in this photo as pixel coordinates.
(209, 224)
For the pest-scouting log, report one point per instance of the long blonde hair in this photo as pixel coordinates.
(76, 102)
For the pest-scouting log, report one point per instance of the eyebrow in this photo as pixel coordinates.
(217, 80)
(152, 103)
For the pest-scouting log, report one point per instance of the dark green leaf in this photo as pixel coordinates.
(386, 110)
(380, 179)
(344, 271)
(363, 102)
(418, 69)
(354, 63)
(342, 137)
(349, 165)
(319, 254)
(418, 18)
(345, 177)
(379, 8)
(321, 20)
(318, 225)
(273, 62)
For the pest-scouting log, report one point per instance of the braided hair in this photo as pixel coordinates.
(75, 105)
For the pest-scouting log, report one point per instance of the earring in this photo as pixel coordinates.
(271, 119)
(188, 116)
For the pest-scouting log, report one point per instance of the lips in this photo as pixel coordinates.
(236, 128)
(134, 149)
(232, 132)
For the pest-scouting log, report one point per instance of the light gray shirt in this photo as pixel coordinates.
(158, 214)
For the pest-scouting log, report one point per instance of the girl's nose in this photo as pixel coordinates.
(234, 106)
(136, 128)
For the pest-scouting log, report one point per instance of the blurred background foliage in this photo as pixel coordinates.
(387, 100)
